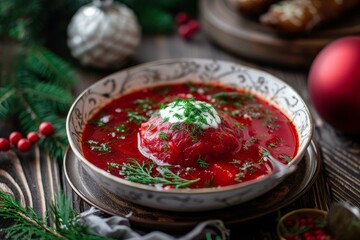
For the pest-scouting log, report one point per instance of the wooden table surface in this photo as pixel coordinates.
(35, 179)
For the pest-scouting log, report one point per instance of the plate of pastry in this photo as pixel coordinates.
(285, 33)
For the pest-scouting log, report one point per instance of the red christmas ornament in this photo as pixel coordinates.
(33, 137)
(23, 145)
(15, 137)
(334, 84)
(4, 144)
(46, 129)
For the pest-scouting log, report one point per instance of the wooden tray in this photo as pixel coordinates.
(285, 193)
(250, 39)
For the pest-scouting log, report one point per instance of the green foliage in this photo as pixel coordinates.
(158, 16)
(38, 90)
(19, 22)
(155, 20)
(29, 225)
(46, 65)
(7, 99)
(27, 21)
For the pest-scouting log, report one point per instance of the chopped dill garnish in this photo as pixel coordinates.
(99, 121)
(241, 126)
(98, 147)
(233, 98)
(193, 112)
(286, 158)
(202, 163)
(144, 103)
(269, 120)
(246, 167)
(235, 161)
(178, 116)
(135, 117)
(166, 119)
(163, 136)
(162, 106)
(121, 128)
(248, 142)
(275, 143)
(113, 165)
(193, 116)
(191, 86)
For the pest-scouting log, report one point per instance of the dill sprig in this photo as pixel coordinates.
(29, 225)
(143, 173)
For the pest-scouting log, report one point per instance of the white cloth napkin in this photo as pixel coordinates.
(116, 226)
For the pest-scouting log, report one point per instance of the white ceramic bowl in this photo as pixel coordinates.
(180, 70)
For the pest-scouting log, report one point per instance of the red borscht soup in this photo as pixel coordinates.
(188, 135)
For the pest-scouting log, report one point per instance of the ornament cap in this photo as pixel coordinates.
(103, 3)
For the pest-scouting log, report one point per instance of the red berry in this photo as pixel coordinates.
(23, 145)
(185, 32)
(310, 220)
(4, 144)
(15, 137)
(182, 18)
(289, 237)
(46, 129)
(33, 137)
(302, 221)
(193, 25)
(297, 237)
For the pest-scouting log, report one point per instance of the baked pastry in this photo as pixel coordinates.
(252, 8)
(301, 16)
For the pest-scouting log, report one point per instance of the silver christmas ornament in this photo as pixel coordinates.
(103, 34)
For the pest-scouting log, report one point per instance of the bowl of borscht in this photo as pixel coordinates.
(189, 134)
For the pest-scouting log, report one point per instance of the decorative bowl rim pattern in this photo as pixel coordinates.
(201, 191)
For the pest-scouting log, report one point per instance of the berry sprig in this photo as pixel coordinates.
(307, 228)
(16, 139)
(187, 27)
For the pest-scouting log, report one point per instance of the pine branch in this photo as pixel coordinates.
(7, 99)
(29, 225)
(59, 99)
(30, 115)
(46, 66)
(20, 19)
(38, 90)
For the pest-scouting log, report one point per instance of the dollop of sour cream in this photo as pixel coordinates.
(190, 111)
